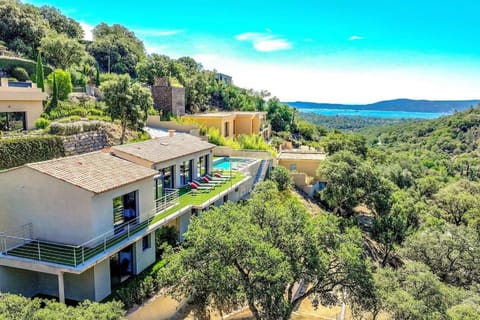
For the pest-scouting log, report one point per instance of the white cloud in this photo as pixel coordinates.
(265, 42)
(155, 48)
(355, 37)
(157, 33)
(87, 30)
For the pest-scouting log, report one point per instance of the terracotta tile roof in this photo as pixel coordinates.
(165, 148)
(96, 172)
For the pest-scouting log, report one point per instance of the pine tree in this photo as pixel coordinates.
(39, 73)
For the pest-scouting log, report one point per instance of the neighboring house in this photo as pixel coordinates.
(303, 165)
(232, 124)
(168, 98)
(224, 78)
(78, 226)
(20, 105)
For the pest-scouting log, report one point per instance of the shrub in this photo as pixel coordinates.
(79, 112)
(140, 288)
(91, 125)
(75, 118)
(10, 63)
(42, 123)
(15, 152)
(282, 178)
(94, 112)
(64, 83)
(20, 74)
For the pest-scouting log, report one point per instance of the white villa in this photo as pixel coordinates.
(75, 227)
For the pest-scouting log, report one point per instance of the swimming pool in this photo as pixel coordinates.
(225, 163)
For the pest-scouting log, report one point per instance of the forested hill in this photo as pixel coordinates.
(449, 135)
(395, 105)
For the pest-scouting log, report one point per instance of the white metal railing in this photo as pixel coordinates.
(22, 246)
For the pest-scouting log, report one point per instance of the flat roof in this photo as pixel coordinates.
(165, 148)
(226, 114)
(295, 155)
(96, 171)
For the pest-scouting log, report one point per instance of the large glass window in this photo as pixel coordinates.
(165, 181)
(186, 174)
(125, 208)
(13, 121)
(207, 163)
(200, 167)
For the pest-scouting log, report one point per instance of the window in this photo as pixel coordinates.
(207, 164)
(13, 121)
(124, 209)
(186, 172)
(200, 167)
(293, 167)
(146, 242)
(227, 127)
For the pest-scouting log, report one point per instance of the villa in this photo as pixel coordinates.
(20, 105)
(232, 124)
(78, 226)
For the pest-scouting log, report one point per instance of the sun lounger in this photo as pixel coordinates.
(219, 178)
(196, 186)
(205, 179)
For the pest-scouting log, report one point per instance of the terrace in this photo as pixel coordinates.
(175, 202)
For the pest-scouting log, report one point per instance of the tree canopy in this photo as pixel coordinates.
(258, 253)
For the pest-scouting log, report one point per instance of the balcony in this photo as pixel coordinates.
(175, 201)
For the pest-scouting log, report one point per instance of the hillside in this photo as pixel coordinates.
(395, 105)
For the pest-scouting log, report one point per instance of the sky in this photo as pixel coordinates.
(339, 51)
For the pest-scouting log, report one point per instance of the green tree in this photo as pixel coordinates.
(60, 23)
(116, 49)
(54, 98)
(127, 102)
(61, 51)
(459, 202)
(281, 116)
(21, 27)
(452, 253)
(336, 141)
(97, 77)
(352, 181)
(281, 177)
(64, 83)
(39, 75)
(258, 253)
(414, 292)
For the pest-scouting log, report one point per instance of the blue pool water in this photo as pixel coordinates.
(226, 162)
(373, 113)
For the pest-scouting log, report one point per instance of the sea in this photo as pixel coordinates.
(374, 113)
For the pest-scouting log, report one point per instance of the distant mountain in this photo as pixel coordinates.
(408, 105)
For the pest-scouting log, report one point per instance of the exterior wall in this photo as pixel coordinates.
(28, 196)
(79, 286)
(184, 223)
(101, 276)
(225, 151)
(243, 125)
(85, 142)
(102, 204)
(144, 258)
(28, 100)
(306, 166)
(18, 281)
(216, 122)
(169, 99)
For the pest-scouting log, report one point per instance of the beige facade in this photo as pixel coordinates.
(232, 124)
(22, 99)
(301, 162)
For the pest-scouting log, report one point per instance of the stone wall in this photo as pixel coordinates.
(85, 142)
(169, 99)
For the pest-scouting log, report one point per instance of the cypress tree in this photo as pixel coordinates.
(39, 73)
(54, 102)
(97, 78)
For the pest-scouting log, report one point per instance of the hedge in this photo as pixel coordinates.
(140, 288)
(10, 63)
(17, 151)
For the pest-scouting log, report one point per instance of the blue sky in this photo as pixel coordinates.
(345, 51)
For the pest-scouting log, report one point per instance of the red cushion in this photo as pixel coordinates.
(205, 179)
(193, 185)
(217, 175)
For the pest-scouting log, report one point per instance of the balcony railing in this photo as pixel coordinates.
(76, 255)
